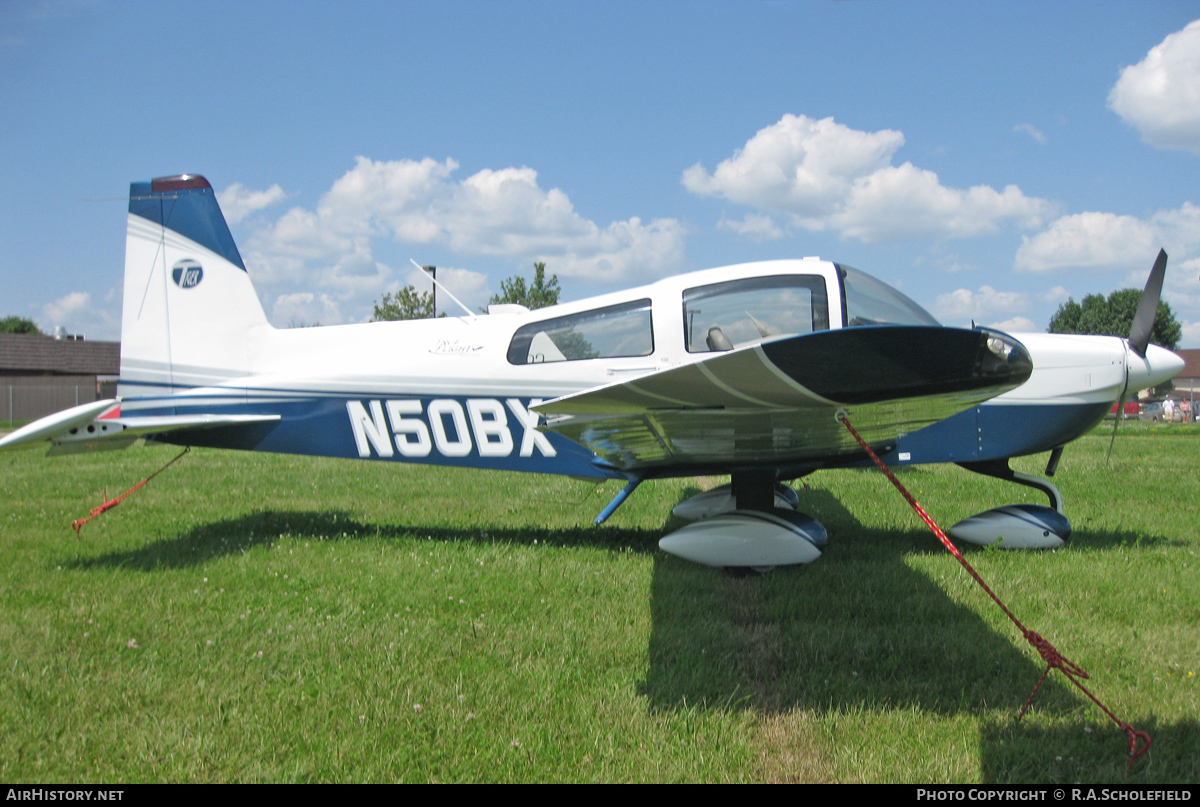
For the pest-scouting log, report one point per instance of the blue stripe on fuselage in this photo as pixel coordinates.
(993, 431)
(496, 433)
(324, 424)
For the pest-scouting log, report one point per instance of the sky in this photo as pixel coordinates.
(990, 159)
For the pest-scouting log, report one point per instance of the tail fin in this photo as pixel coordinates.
(191, 316)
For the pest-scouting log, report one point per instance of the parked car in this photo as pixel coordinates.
(1132, 410)
(1156, 411)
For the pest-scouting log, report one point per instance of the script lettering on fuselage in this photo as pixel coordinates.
(445, 427)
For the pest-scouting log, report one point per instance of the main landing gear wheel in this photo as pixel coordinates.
(764, 531)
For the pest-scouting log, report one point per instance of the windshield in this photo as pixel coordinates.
(871, 302)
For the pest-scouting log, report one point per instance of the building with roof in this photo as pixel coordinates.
(1188, 379)
(1187, 383)
(40, 375)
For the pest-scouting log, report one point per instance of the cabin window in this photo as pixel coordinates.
(869, 301)
(603, 333)
(744, 312)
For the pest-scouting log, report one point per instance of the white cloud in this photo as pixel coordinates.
(827, 176)
(303, 309)
(1003, 310)
(798, 165)
(1014, 325)
(622, 251)
(1160, 95)
(980, 306)
(67, 306)
(506, 213)
(1032, 131)
(1058, 294)
(76, 314)
(1191, 335)
(1180, 287)
(1180, 230)
(1087, 240)
(396, 199)
(237, 201)
(1104, 242)
(1094, 240)
(301, 250)
(755, 226)
(902, 202)
(497, 213)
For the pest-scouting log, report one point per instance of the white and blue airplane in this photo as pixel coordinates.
(743, 370)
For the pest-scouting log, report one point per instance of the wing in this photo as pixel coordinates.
(775, 403)
(98, 426)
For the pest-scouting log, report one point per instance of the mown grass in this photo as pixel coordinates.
(273, 618)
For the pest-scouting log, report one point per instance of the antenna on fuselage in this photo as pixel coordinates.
(433, 277)
(432, 272)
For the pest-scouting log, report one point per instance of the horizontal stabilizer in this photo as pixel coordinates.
(122, 432)
(44, 430)
(79, 430)
(168, 423)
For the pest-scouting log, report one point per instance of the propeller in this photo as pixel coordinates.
(1143, 320)
(1139, 333)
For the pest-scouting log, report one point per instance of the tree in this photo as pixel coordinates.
(18, 325)
(538, 294)
(1114, 317)
(408, 303)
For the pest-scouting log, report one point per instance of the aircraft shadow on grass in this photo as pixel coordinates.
(1022, 752)
(204, 542)
(858, 629)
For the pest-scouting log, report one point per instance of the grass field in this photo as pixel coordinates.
(273, 618)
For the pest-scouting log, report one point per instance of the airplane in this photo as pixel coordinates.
(745, 370)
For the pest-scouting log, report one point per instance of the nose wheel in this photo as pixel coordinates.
(1017, 526)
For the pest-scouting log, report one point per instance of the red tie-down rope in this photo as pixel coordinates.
(109, 504)
(1139, 741)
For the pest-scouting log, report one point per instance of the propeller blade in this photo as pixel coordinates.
(1143, 320)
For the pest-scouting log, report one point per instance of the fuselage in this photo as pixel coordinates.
(457, 390)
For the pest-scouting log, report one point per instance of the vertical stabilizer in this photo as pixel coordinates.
(190, 315)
